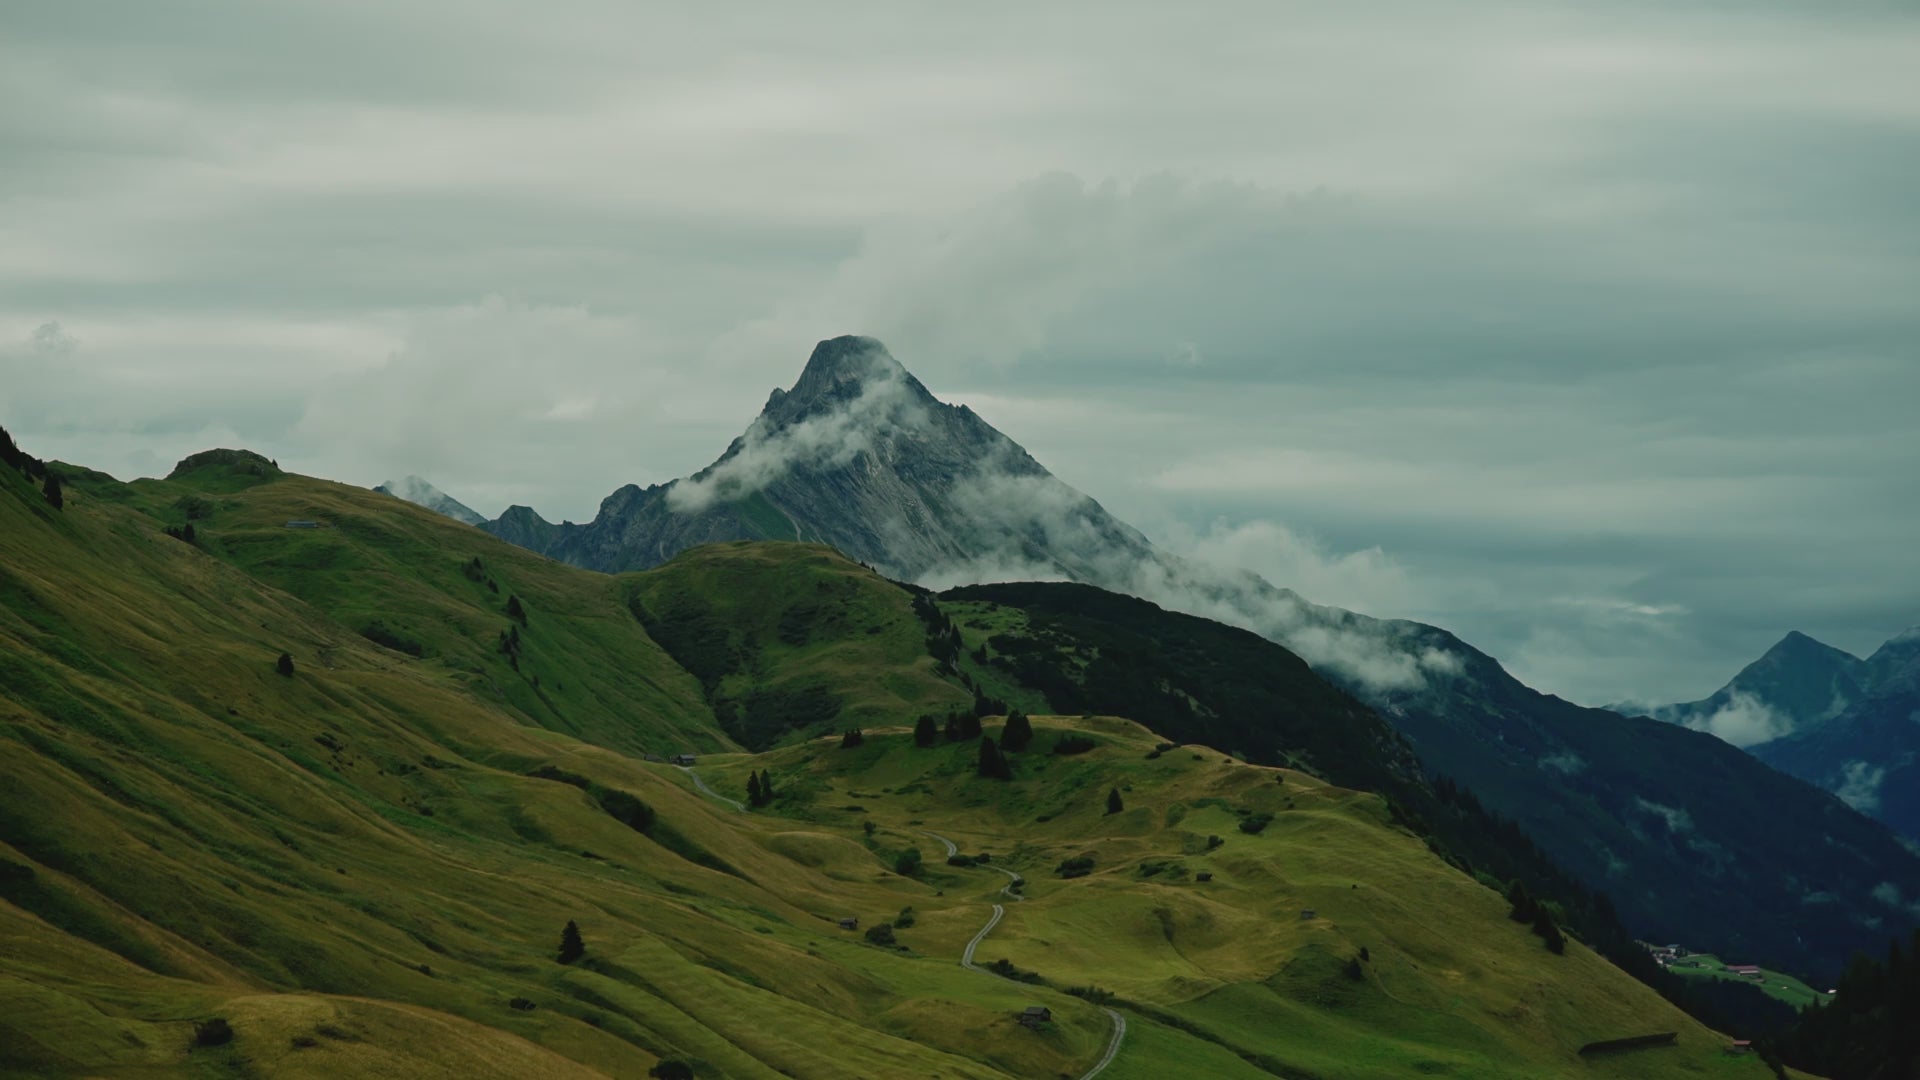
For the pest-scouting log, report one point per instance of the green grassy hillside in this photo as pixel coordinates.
(1449, 985)
(791, 637)
(361, 866)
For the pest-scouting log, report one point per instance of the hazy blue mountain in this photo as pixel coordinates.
(1869, 755)
(420, 493)
(1896, 654)
(1796, 684)
(1695, 840)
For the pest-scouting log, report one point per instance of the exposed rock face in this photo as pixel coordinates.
(521, 525)
(858, 455)
(420, 493)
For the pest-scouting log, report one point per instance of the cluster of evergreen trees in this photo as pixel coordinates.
(943, 638)
(1870, 1028)
(759, 788)
(1525, 909)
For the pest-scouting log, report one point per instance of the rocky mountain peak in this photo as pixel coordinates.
(842, 370)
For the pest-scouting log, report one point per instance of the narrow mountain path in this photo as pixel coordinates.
(999, 912)
(1113, 1046)
(966, 958)
(705, 790)
(1012, 878)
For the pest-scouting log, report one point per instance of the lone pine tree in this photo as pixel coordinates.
(571, 947)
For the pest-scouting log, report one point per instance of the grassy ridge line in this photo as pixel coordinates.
(791, 640)
(585, 667)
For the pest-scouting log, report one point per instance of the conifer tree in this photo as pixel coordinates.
(52, 491)
(1523, 908)
(284, 665)
(1114, 805)
(1018, 732)
(753, 789)
(993, 763)
(1544, 926)
(766, 785)
(925, 731)
(571, 947)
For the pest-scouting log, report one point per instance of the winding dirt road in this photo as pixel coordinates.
(999, 912)
(705, 790)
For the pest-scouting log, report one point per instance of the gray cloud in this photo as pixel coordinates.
(1576, 331)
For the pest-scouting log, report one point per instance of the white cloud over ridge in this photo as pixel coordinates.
(1860, 785)
(827, 440)
(1744, 721)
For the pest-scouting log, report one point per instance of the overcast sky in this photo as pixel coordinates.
(1588, 331)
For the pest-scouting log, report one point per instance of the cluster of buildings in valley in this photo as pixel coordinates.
(1668, 956)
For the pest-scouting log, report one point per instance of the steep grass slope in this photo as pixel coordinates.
(186, 833)
(361, 866)
(789, 637)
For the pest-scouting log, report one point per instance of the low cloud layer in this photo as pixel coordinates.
(1860, 785)
(1744, 720)
(1045, 530)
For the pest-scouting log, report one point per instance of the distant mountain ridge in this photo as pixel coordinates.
(1695, 840)
(1848, 725)
(1796, 683)
(1869, 755)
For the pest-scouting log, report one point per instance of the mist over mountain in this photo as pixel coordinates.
(1695, 839)
(1849, 725)
(421, 493)
(1797, 683)
(1869, 755)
